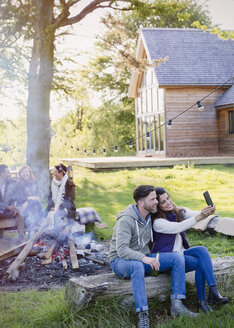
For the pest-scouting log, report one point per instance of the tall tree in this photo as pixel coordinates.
(48, 18)
(109, 70)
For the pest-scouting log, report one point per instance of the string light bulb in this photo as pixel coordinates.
(130, 144)
(94, 152)
(116, 149)
(78, 149)
(104, 151)
(148, 137)
(169, 124)
(85, 152)
(199, 106)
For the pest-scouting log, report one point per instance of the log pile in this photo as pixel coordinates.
(80, 291)
(58, 249)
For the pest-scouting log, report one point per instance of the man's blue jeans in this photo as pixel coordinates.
(198, 258)
(137, 270)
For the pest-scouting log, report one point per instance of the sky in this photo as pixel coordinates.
(221, 12)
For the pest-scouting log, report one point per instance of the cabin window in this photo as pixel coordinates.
(155, 99)
(150, 108)
(231, 121)
(161, 99)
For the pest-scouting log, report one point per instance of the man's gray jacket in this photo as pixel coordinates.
(130, 236)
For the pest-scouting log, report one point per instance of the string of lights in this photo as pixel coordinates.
(148, 134)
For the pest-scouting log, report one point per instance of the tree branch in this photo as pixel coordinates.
(97, 4)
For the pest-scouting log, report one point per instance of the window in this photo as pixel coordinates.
(231, 121)
(161, 99)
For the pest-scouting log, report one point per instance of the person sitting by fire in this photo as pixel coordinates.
(28, 199)
(8, 194)
(61, 198)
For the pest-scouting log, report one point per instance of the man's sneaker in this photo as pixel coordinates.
(143, 319)
(177, 308)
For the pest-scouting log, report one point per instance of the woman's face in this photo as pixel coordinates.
(58, 175)
(165, 203)
(25, 174)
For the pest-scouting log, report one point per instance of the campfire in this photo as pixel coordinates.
(49, 258)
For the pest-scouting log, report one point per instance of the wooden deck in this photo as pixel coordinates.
(106, 163)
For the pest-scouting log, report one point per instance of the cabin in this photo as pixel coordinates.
(198, 70)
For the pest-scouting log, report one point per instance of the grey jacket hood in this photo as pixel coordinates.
(130, 236)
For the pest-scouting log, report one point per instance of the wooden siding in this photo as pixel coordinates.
(226, 140)
(194, 133)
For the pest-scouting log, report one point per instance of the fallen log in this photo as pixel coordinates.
(12, 251)
(49, 252)
(93, 259)
(85, 254)
(73, 255)
(80, 291)
(12, 271)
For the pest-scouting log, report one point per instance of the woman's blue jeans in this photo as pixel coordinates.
(198, 258)
(137, 270)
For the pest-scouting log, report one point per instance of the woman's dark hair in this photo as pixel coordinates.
(161, 214)
(142, 191)
(61, 168)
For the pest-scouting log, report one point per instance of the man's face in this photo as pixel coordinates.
(5, 175)
(149, 203)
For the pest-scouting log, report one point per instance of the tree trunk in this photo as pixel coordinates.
(80, 291)
(41, 77)
(40, 84)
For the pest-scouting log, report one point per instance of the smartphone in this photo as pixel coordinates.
(208, 198)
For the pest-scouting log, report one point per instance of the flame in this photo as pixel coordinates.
(40, 244)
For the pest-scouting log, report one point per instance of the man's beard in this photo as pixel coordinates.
(151, 209)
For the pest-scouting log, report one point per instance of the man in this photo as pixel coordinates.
(130, 256)
(7, 197)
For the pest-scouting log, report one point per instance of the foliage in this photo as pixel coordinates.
(41, 22)
(13, 142)
(96, 129)
(15, 28)
(110, 69)
(225, 35)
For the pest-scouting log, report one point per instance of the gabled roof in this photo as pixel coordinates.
(195, 57)
(227, 98)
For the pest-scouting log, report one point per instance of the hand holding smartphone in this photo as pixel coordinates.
(208, 198)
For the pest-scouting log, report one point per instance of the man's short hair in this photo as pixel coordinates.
(142, 191)
(2, 168)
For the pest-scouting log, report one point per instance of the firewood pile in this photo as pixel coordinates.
(51, 258)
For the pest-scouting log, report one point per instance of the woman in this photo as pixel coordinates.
(28, 199)
(62, 196)
(169, 225)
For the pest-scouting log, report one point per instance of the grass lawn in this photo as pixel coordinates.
(110, 192)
